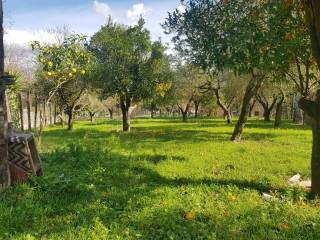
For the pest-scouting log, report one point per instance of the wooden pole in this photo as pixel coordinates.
(4, 168)
(35, 112)
(29, 110)
(21, 112)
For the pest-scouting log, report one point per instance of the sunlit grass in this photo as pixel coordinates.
(101, 183)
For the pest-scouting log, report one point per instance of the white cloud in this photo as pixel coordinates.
(102, 8)
(24, 38)
(137, 11)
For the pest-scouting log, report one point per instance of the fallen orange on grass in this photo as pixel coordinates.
(188, 216)
(283, 226)
(232, 198)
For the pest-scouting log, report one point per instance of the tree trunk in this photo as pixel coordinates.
(125, 106)
(226, 111)
(21, 112)
(44, 114)
(29, 110)
(251, 107)
(251, 90)
(278, 116)
(91, 114)
(184, 112)
(50, 114)
(110, 113)
(55, 114)
(312, 9)
(125, 120)
(228, 116)
(184, 115)
(70, 120)
(41, 118)
(267, 108)
(61, 117)
(266, 114)
(4, 168)
(35, 112)
(312, 108)
(152, 113)
(196, 109)
(315, 159)
(297, 116)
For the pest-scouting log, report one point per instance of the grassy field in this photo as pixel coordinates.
(165, 180)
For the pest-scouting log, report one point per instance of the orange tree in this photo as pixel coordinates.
(130, 66)
(64, 72)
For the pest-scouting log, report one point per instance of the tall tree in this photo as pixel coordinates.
(92, 104)
(129, 65)
(69, 95)
(225, 90)
(186, 87)
(64, 71)
(236, 35)
(267, 96)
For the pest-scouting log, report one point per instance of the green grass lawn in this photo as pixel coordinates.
(100, 183)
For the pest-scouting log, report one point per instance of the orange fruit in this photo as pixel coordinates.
(232, 198)
(226, 2)
(188, 216)
(283, 226)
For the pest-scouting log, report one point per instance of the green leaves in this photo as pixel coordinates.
(239, 35)
(64, 62)
(129, 64)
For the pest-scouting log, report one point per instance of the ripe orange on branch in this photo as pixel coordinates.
(226, 2)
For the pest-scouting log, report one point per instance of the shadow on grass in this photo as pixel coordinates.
(86, 182)
(157, 158)
(149, 137)
(260, 124)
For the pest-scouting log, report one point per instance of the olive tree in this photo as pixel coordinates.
(237, 35)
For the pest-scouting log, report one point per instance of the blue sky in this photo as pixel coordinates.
(29, 19)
